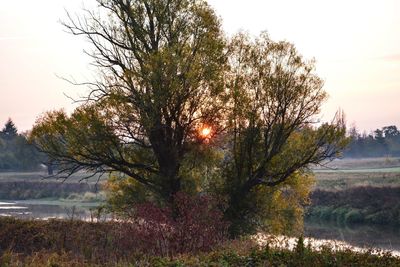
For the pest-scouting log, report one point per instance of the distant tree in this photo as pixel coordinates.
(391, 131)
(9, 131)
(15, 152)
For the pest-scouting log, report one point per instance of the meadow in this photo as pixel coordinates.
(357, 191)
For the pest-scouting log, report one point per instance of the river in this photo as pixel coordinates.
(382, 237)
(46, 209)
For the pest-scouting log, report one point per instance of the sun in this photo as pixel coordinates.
(205, 132)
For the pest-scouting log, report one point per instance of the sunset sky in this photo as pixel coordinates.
(356, 44)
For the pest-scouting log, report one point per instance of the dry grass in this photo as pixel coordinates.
(334, 181)
(364, 163)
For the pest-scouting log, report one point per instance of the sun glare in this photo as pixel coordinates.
(205, 132)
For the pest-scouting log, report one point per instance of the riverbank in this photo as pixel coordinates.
(357, 205)
(77, 243)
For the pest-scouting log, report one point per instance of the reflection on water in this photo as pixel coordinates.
(387, 238)
(24, 210)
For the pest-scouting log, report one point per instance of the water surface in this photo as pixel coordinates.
(46, 209)
(382, 237)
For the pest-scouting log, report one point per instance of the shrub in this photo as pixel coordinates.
(193, 224)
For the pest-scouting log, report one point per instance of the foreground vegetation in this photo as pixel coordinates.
(76, 243)
(253, 257)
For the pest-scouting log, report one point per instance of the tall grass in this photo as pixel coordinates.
(58, 243)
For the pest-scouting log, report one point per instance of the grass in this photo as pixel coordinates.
(369, 170)
(334, 181)
(225, 258)
(73, 243)
(364, 163)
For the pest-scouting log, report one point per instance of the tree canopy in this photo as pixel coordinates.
(161, 65)
(166, 73)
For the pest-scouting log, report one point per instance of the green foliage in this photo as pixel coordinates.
(123, 193)
(280, 208)
(275, 95)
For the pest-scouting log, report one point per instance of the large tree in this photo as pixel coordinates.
(273, 129)
(166, 71)
(162, 67)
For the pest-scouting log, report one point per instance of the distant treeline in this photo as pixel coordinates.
(380, 143)
(16, 154)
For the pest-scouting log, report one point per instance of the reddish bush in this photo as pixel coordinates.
(192, 224)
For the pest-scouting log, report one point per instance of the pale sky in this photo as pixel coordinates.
(356, 44)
